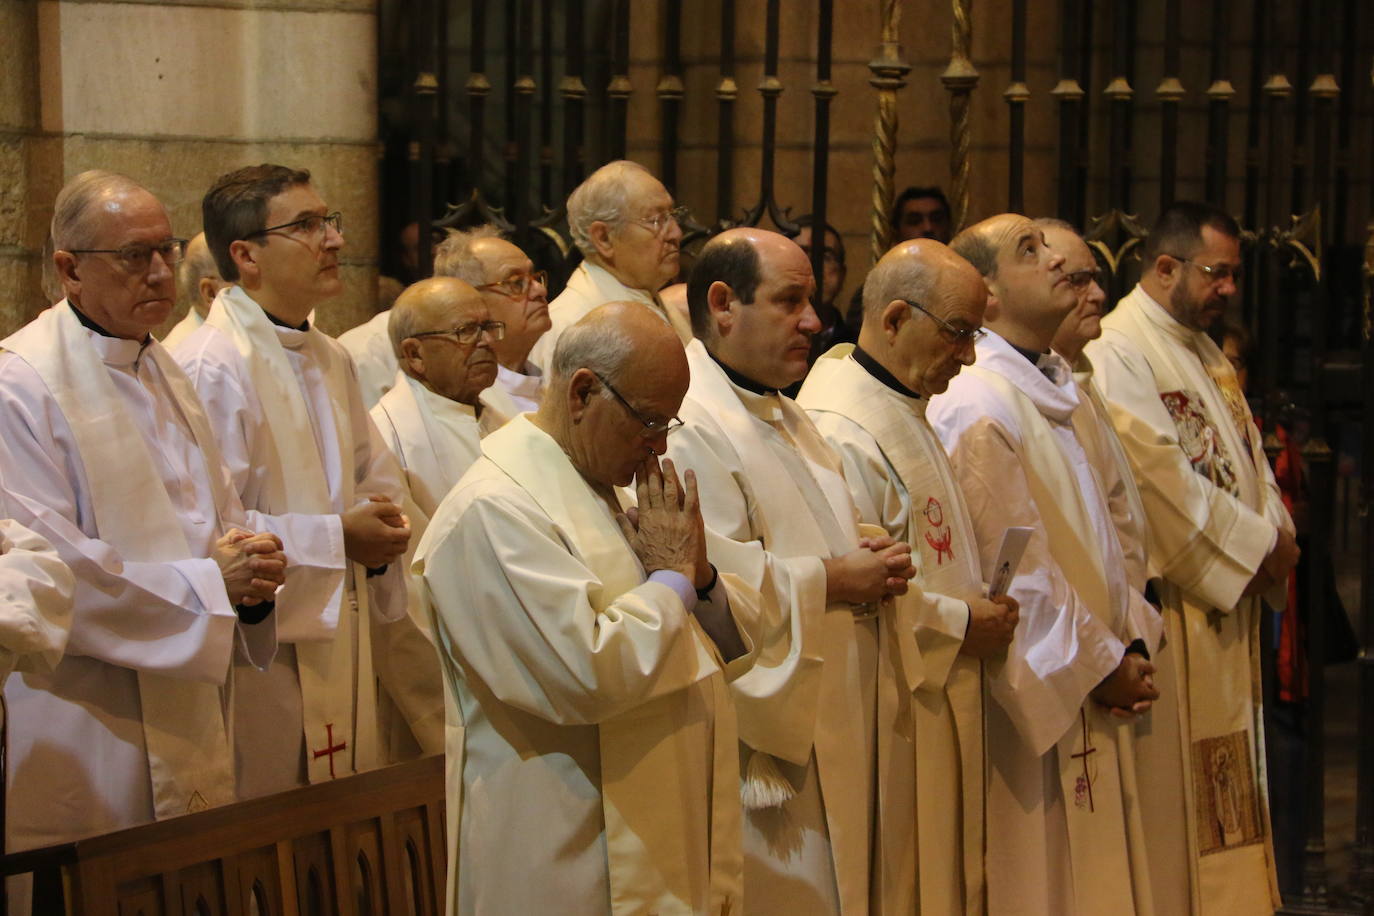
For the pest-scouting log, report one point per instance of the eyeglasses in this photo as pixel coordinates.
(136, 257)
(468, 333)
(652, 428)
(310, 226)
(958, 336)
(1079, 279)
(1219, 273)
(518, 287)
(658, 223)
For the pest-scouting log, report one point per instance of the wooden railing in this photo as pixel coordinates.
(367, 844)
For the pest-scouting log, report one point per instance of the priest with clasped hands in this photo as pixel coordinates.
(819, 707)
(587, 646)
(108, 455)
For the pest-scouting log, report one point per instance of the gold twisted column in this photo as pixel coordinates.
(889, 75)
(960, 78)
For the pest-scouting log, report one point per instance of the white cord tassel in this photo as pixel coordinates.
(764, 785)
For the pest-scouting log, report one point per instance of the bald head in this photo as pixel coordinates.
(924, 348)
(198, 279)
(617, 378)
(427, 325)
(1028, 291)
(750, 299)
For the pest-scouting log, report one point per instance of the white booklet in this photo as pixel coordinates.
(1014, 542)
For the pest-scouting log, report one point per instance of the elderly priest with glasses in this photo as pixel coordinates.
(587, 646)
(516, 295)
(109, 456)
(624, 222)
(432, 419)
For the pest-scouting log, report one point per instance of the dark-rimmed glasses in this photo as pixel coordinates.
(1218, 274)
(136, 256)
(1079, 279)
(958, 336)
(519, 286)
(659, 222)
(468, 333)
(311, 225)
(652, 428)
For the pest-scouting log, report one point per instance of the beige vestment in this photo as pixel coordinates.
(1214, 513)
(901, 479)
(593, 760)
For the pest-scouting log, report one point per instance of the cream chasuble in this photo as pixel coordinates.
(774, 492)
(436, 440)
(1213, 510)
(1064, 829)
(370, 346)
(285, 403)
(893, 462)
(131, 724)
(588, 287)
(35, 598)
(594, 759)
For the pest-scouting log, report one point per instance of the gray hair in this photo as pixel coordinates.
(602, 347)
(453, 256)
(197, 263)
(603, 197)
(974, 246)
(898, 278)
(71, 224)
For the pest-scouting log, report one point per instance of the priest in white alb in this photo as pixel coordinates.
(923, 308)
(588, 647)
(818, 709)
(623, 221)
(1064, 831)
(1221, 539)
(517, 296)
(284, 402)
(198, 282)
(108, 456)
(432, 419)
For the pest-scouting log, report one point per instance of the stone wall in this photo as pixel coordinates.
(174, 94)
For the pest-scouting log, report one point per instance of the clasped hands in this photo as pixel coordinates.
(1130, 690)
(665, 529)
(253, 566)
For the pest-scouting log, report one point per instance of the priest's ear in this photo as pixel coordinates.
(994, 306)
(719, 301)
(245, 258)
(600, 234)
(64, 266)
(581, 387)
(893, 316)
(411, 360)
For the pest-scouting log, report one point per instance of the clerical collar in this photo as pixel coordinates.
(90, 324)
(742, 381)
(1033, 355)
(877, 370)
(303, 326)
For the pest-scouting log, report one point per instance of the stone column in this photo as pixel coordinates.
(174, 94)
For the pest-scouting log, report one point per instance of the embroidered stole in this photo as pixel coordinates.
(339, 703)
